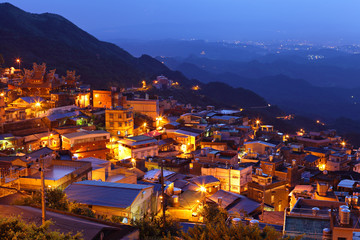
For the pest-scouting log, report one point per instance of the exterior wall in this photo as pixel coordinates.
(343, 233)
(146, 107)
(119, 122)
(102, 99)
(143, 152)
(91, 145)
(257, 147)
(215, 145)
(238, 178)
(79, 174)
(82, 100)
(275, 195)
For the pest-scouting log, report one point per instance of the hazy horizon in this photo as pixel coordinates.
(263, 20)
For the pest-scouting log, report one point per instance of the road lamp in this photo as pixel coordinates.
(203, 190)
(18, 62)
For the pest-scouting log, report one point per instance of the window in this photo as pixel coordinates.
(119, 115)
(120, 124)
(119, 133)
(111, 115)
(111, 124)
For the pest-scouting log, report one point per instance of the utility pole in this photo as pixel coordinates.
(162, 190)
(263, 204)
(43, 210)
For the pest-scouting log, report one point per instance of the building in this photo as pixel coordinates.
(269, 190)
(82, 100)
(208, 155)
(260, 147)
(235, 204)
(86, 143)
(338, 162)
(130, 201)
(119, 121)
(189, 138)
(38, 82)
(58, 173)
(148, 107)
(138, 147)
(233, 179)
(101, 99)
(317, 219)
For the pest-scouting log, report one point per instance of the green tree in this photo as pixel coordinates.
(153, 227)
(16, 228)
(213, 214)
(56, 199)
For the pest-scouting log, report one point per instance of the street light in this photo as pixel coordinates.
(18, 62)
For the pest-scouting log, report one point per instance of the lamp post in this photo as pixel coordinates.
(18, 62)
(203, 190)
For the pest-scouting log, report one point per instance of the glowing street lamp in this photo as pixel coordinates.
(202, 189)
(343, 144)
(133, 161)
(18, 61)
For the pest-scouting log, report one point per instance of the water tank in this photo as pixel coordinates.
(315, 211)
(175, 200)
(344, 216)
(327, 234)
(254, 222)
(236, 221)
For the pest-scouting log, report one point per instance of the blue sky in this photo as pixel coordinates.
(268, 20)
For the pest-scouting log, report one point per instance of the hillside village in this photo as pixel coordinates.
(128, 153)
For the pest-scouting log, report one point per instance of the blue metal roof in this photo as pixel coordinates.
(118, 195)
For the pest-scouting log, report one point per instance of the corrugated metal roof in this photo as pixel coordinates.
(203, 180)
(311, 158)
(113, 185)
(118, 195)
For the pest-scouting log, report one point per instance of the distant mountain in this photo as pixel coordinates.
(291, 94)
(53, 39)
(324, 66)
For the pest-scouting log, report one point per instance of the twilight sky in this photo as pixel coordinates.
(259, 20)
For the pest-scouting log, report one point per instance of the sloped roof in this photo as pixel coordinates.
(41, 151)
(118, 195)
(310, 158)
(204, 180)
(32, 99)
(235, 203)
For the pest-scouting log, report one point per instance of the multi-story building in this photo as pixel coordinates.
(318, 219)
(269, 190)
(338, 162)
(87, 143)
(119, 121)
(138, 147)
(148, 107)
(234, 179)
(101, 99)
